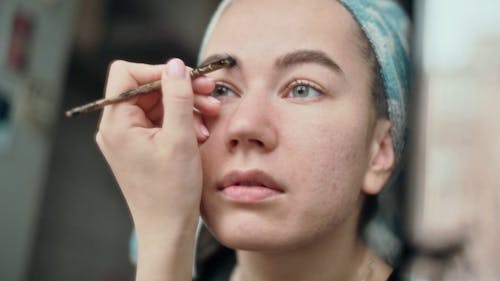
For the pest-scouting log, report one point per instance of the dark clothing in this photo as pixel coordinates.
(395, 276)
(214, 262)
(218, 267)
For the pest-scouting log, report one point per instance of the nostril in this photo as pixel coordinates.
(255, 142)
(234, 143)
(258, 142)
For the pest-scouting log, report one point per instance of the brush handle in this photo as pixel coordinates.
(148, 88)
(99, 104)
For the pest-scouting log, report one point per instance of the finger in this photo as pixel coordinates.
(207, 105)
(156, 114)
(116, 127)
(119, 117)
(203, 85)
(178, 99)
(123, 76)
(200, 128)
(149, 101)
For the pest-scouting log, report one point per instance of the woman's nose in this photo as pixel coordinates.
(252, 124)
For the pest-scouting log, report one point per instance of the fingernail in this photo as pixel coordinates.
(176, 68)
(204, 130)
(213, 100)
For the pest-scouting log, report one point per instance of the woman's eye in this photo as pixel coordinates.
(303, 91)
(222, 91)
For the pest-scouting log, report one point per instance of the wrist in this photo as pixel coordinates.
(162, 231)
(162, 221)
(166, 253)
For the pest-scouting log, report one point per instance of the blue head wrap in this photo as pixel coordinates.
(387, 28)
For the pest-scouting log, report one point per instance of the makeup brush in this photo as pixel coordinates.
(216, 63)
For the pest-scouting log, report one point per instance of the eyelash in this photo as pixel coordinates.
(227, 87)
(286, 90)
(301, 82)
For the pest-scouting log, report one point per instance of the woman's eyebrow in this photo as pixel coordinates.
(308, 56)
(217, 57)
(290, 59)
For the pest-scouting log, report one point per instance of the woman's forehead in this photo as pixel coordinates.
(285, 18)
(254, 29)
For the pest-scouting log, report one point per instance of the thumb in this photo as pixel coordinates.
(178, 97)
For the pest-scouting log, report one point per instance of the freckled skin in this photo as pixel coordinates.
(318, 150)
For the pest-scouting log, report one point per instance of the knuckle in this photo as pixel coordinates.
(101, 143)
(98, 139)
(180, 98)
(179, 93)
(116, 64)
(104, 137)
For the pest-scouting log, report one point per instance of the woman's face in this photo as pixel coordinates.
(287, 159)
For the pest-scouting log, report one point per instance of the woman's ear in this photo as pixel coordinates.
(381, 158)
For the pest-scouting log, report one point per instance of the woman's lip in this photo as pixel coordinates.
(249, 194)
(249, 179)
(249, 186)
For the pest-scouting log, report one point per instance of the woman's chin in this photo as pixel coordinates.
(256, 229)
(249, 242)
(253, 237)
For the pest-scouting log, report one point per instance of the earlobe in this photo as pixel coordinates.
(382, 158)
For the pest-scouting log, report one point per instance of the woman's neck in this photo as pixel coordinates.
(341, 257)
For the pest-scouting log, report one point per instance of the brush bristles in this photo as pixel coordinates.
(230, 61)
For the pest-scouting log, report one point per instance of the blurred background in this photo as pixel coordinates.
(62, 217)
